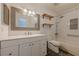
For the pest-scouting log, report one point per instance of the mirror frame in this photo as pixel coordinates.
(13, 23)
(5, 14)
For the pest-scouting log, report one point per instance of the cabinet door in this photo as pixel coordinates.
(25, 49)
(9, 51)
(35, 48)
(43, 48)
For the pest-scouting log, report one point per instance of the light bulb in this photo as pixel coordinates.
(33, 13)
(25, 10)
(30, 12)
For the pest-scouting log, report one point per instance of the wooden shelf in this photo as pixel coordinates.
(46, 24)
(46, 15)
(49, 18)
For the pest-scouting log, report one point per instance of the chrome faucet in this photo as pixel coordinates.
(29, 33)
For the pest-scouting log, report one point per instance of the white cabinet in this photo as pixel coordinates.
(9, 51)
(35, 46)
(30, 49)
(25, 49)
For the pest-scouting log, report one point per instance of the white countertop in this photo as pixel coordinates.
(2, 38)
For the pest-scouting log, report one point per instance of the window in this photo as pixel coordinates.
(74, 24)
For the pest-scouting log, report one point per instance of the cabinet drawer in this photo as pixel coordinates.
(13, 42)
(5, 44)
(10, 51)
(32, 39)
(36, 43)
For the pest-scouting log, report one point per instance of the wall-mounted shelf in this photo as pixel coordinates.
(46, 24)
(47, 20)
(46, 15)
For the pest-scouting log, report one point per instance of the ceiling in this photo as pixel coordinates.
(62, 8)
(59, 8)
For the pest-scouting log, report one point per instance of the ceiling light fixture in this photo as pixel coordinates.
(33, 12)
(25, 10)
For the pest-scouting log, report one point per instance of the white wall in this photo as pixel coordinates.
(0, 13)
(70, 43)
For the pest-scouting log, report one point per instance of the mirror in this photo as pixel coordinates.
(22, 19)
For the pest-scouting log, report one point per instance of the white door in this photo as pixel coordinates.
(9, 51)
(25, 49)
(36, 48)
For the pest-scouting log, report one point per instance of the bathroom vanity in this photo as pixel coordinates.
(31, 45)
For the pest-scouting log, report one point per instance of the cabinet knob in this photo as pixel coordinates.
(32, 44)
(10, 54)
(29, 44)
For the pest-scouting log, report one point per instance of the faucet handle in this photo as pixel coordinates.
(29, 33)
(25, 33)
